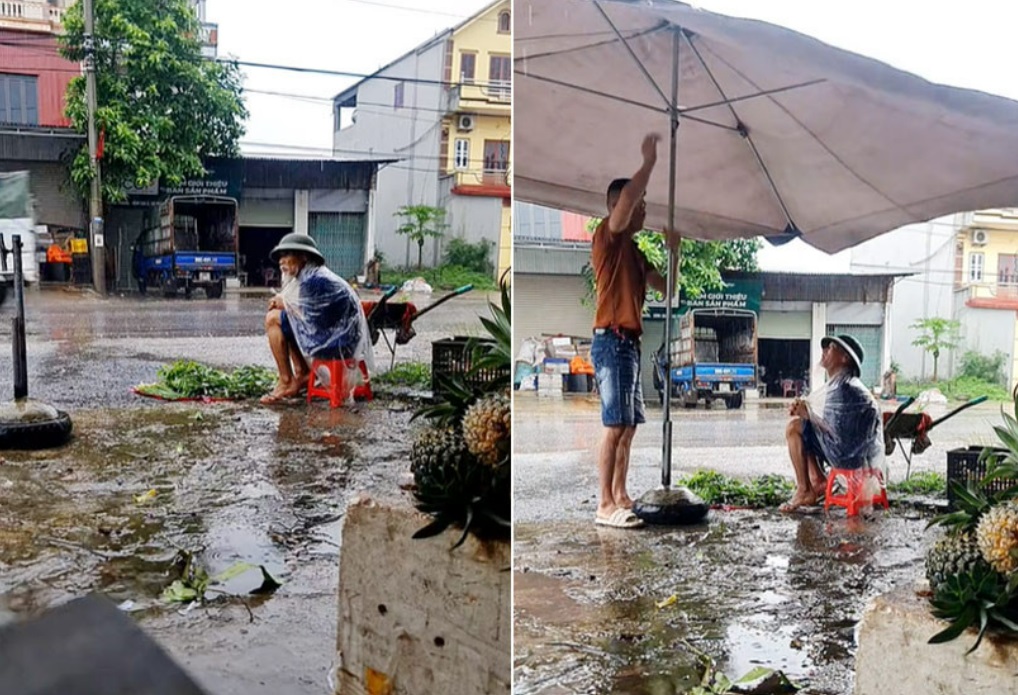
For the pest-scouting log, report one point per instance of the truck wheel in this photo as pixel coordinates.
(734, 402)
(169, 287)
(214, 291)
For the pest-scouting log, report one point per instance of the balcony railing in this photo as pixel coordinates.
(500, 90)
(24, 9)
(494, 97)
(476, 177)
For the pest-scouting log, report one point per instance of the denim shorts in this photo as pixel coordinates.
(617, 370)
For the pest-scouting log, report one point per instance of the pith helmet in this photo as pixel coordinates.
(296, 241)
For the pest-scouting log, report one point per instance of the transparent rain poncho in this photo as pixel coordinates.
(326, 317)
(848, 425)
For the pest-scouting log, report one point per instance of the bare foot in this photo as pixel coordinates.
(281, 392)
(798, 501)
(624, 501)
(272, 398)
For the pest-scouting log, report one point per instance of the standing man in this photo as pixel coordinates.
(621, 277)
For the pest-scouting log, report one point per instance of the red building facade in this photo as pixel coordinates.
(33, 79)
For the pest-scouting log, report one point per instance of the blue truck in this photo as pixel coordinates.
(191, 244)
(713, 358)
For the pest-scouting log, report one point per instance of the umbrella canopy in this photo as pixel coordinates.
(780, 134)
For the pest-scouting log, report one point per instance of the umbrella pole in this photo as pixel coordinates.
(673, 115)
(670, 506)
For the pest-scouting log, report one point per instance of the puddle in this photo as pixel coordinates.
(230, 483)
(630, 613)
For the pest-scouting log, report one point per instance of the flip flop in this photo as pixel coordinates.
(620, 518)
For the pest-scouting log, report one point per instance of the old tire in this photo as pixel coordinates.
(214, 291)
(36, 434)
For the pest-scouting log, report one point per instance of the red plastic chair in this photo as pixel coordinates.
(337, 390)
(852, 498)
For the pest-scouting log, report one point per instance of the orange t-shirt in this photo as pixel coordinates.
(620, 273)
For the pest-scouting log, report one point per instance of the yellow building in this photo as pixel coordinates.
(476, 142)
(439, 116)
(986, 283)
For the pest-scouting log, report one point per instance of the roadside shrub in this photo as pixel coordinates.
(475, 257)
(984, 367)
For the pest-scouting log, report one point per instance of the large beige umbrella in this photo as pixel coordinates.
(771, 132)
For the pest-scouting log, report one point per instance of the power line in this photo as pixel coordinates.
(329, 100)
(498, 86)
(364, 153)
(360, 75)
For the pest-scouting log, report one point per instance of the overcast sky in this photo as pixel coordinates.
(345, 35)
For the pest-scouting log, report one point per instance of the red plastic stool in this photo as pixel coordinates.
(855, 479)
(337, 391)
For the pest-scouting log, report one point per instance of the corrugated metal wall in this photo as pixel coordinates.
(549, 304)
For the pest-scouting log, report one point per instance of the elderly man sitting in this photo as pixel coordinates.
(316, 314)
(839, 424)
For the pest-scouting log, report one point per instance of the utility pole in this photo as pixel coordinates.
(97, 242)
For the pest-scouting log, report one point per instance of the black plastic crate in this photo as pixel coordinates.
(451, 357)
(964, 466)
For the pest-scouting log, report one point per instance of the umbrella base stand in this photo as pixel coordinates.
(677, 506)
(31, 424)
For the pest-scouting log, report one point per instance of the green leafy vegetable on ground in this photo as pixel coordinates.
(189, 379)
(715, 488)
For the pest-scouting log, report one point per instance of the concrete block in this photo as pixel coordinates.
(893, 656)
(416, 617)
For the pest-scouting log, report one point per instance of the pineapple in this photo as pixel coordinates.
(445, 471)
(951, 555)
(997, 536)
(487, 427)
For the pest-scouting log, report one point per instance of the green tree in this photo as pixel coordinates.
(421, 222)
(936, 334)
(701, 263)
(161, 106)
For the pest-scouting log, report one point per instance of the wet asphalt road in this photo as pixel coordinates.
(233, 482)
(88, 352)
(746, 588)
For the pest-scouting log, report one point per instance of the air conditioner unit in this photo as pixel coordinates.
(465, 122)
(980, 237)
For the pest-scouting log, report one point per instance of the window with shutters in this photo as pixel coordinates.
(19, 101)
(976, 267)
(468, 67)
(500, 77)
(462, 154)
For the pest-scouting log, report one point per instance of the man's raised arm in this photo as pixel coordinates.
(632, 194)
